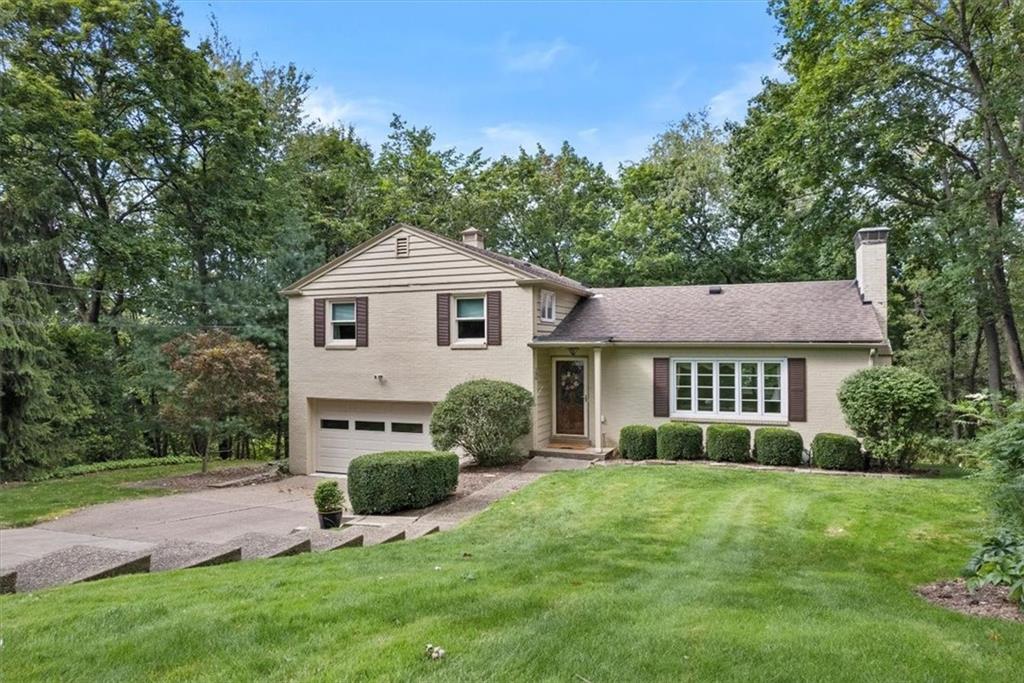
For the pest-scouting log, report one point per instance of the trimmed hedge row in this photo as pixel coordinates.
(638, 442)
(109, 465)
(379, 483)
(728, 443)
(680, 441)
(776, 446)
(836, 452)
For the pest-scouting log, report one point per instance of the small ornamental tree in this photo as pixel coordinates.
(485, 418)
(224, 386)
(890, 408)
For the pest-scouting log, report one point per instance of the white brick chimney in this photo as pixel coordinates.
(473, 238)
(873, 270)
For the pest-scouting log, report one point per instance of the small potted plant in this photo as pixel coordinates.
(329, 502)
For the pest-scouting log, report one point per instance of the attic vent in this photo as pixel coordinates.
(402, 247)
(714, 290)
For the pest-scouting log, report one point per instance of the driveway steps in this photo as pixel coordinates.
(323, 540)
(420, 529)
(262, 546)
(79, 563)
(186, 554)
(379, 535)
(7, 582)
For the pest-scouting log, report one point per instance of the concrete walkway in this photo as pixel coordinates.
(218, 515)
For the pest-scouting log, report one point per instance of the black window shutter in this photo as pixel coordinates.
(494, 318)
(661, 387)
(362, 321)
(319, 336)
(797, 376)
(444, 319)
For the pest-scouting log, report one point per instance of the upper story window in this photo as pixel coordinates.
(470, 321)
(730, 388)
(547, 306)
(343, 323)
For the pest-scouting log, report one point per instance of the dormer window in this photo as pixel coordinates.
(547, 306)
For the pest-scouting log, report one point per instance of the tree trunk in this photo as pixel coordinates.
(972, 373)
(1003, 307)
(951, 392)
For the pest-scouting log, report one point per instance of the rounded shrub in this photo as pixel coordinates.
(327, 496)
(379, 483)
(836, 452)
(728, 443)
(680, 441)
(890, 407)
(778, 446)
(486, 418)
(638, 442)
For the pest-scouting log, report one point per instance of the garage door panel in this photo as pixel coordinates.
(336, 447)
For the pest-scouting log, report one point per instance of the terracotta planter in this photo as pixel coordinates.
(330, 520)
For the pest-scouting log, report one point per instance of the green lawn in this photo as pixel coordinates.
(30, 503)
(617, 574)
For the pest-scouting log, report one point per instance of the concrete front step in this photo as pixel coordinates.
(8, 580)
(588, 454)
(379, 535)
(78, 563)
(186, 554)
(322, 540)
(421, 529)
(262, 546)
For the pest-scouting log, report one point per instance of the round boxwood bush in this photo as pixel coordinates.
(778, 446)
(638, 442)
(728, 443)
(486, 418)
(327, 496)
(680, 441)
(379, 483)
(890, 407)
(836, 452)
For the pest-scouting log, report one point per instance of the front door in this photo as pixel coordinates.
(570, 390)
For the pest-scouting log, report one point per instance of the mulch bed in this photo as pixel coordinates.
(192, 482)
(987, 601)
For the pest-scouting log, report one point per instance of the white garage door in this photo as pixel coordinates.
(347, 429)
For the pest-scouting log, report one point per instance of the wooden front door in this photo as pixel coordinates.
(570, 391)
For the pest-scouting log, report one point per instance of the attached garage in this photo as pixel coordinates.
(347, 429)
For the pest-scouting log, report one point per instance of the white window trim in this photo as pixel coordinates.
(735, 415)
(341, 343)
(469, 342)
(547, 297)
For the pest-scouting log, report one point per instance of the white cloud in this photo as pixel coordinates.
(507, 138)
(588, 133)
(368, 115)
(671, 98)
(532, 57)
(731, 104)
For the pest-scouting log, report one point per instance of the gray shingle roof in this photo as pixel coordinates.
(770, 312)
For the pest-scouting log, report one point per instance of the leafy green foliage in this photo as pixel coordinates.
(999, 562)
(778, 446)
(327, 496)
(638, 442)
(891, 408)
(728, 443)
(836, 452)
(680, 441)
(380, 483)
(113, 465)
(484, 417)
(1002, 450)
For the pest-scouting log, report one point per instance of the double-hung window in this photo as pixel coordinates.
(712, 388)
(343, 323)
(470, 319)
(547, 306)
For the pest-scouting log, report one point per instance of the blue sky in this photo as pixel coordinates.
(605, 77)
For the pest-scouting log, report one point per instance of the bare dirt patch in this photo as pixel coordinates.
(987, 601)
(199, 480)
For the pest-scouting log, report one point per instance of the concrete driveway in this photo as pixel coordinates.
(211, 515)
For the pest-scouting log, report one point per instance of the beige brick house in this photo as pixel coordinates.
(379, 335)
